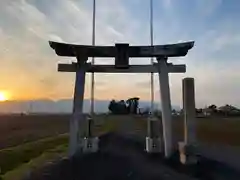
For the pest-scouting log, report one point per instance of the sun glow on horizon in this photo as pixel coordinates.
(3, 96)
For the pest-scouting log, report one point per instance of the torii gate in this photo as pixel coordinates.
(122, 53)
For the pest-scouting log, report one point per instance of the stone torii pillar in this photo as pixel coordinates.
(155, 142)
(77, 114)
(166, 105)
(79, 127)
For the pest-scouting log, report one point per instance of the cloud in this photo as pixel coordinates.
(207, 8)
(167, 4)
(225, 40)
(28, 25)
(143, 84)
(28, 64)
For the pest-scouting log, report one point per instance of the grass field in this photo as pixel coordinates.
(48, 156)
(25, 138)
(10, 158)
(16, 129)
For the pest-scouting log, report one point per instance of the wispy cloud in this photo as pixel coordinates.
(27, 27)
(167, 4)
(207, 8)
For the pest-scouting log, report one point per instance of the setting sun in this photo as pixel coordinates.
(3, 96)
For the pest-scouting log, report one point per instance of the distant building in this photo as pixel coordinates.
(229, 110)
(207, 111)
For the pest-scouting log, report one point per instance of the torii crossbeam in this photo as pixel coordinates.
(169, 50)
(122, 53)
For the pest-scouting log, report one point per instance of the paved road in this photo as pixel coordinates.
(222, 153)
(119, 158)
(123, 157)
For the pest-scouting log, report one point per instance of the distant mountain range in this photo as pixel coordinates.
(60, 106)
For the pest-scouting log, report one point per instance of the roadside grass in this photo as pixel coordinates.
(48, 156)
(13, 157)
(224, 131)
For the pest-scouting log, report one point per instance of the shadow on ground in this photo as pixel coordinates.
(122, 158)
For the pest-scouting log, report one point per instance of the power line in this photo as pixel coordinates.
(151, 41)
(93, 59)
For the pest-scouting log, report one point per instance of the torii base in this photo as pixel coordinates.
(154, 142)
(153, 145)
(89, 144)
(187, 154)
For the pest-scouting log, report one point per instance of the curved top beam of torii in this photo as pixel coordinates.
(168, 50)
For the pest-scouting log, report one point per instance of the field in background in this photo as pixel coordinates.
(15, 129)
(31, 136)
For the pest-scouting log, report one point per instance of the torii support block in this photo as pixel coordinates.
(154, 143)
(89, 143)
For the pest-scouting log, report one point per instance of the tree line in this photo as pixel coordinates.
(227, 110)
(131, 106)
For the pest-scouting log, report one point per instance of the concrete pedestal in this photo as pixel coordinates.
(153, 145)
(187, 153)
(89, 144)
(154, 136)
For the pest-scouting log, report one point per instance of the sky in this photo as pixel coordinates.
(28, 66)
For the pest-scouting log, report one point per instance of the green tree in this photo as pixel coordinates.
(117, 107)
(132, 105)
(122, 107)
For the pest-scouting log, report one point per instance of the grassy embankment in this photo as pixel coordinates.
(12, 158)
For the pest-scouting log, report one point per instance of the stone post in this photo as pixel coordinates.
(187, 149)
(189, 111)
